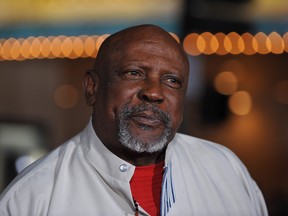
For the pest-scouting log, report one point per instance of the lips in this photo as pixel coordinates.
(147, 118)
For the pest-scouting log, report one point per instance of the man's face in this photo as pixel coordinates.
(139, 100)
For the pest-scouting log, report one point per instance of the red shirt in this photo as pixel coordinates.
(146, 187)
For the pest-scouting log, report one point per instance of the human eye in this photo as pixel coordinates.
(132, 75)
(173, 82)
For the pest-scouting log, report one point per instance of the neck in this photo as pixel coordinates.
(142, 159)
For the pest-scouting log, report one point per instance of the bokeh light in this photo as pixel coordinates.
(194, 44)
(56, 47)
(250, 44)
(227, 44)
(78, 47)
(209, 43)
(67, 47)
(285, 41)
(221, 48)
(262, 41)
(226, 83)
(15, 49)
(240, 103)
(190, 44)
(201, 44)
(90, 46)
(6, 48)
(45, 48)
(233, 40)
(35, 48)
(276, 43)
(25, 49)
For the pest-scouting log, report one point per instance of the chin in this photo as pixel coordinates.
(142, 145)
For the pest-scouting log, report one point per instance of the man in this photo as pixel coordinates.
(129, 160)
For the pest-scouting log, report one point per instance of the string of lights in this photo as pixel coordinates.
(194, 44)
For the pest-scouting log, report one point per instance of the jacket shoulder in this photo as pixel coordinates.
(207, 152)
(37, 179)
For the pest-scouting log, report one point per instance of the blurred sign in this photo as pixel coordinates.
(270, 8)
(96, 10)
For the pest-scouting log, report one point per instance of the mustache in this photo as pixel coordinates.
(129, 111)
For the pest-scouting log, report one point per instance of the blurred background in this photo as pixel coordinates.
(238, 92)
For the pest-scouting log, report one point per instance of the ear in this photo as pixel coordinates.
(90, 83)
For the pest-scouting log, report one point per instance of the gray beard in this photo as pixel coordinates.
(135, 143)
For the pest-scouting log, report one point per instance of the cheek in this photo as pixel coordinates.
(175, 105)
(118, 96)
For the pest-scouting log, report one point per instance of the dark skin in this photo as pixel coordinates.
(142, 64)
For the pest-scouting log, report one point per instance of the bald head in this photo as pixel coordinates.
(121, 40)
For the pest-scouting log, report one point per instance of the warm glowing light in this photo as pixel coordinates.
(194, 44)
(281, 92)
(227, 44)
(190, 44)
(1, 41)
(35, 48)
(226, 83)
(285, 41)
(214, 44)
(277, 44)
(234, 39)
(249, 44)
(41, 39)
(7, 48)
(78, 47)
(61, 38)
(56, 47)
(241, 45)
(240, 103)
(67, 47)
(220, 39)
(45, 48)
(201, 44)
(90, 46)
(25, 49)
(211, 43)
(262, 41)
(66, 96)
(30, 39)
(15, 49)
(83, 38)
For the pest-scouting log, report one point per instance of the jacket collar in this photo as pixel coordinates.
(102, 159)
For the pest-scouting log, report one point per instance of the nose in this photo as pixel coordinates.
(151, 92)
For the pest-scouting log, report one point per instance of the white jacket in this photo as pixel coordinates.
(82, 177)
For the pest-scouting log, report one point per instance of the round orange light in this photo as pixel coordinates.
(240, 103)
(190, 44)
(226, 83)
(277, 43)
(221, 48)
(248, 40)
(262, 40)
